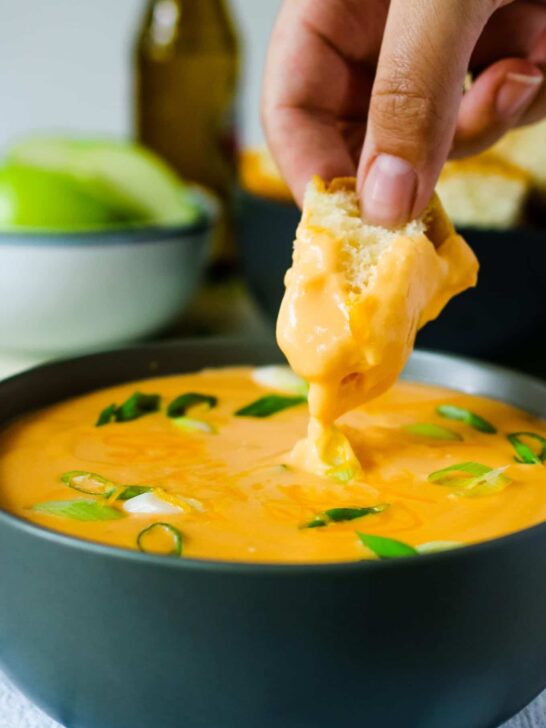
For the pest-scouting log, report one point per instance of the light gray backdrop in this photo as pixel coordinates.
(65, 65)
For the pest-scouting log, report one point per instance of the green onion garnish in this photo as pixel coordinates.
(89, 483)
(137, 405)
(386, 548)
(452, 412)
(269, 405)
(280, 378)
(432, 547)
(338, 515)
(189, 424)
(131, 491)
(483, 480)
(182, 404)
(155, 531)
(79, 510)
(526, 454)
(106, 416)
(344, 475)
(432, 431)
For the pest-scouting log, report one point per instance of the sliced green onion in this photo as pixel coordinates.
(281, 378)
(451, 474)
(89, 483)
(432, 547)
(156, 529)
(106, 416)
(179, 406)
(386, 548)
(432, 431)
(188, 424)
(526, 454)
(137, 405)
(344, 475)
(339, 515)
(157, 502)
(131, 491)
(452, 412)
(269, 405)
(483, 480)
(79, 510)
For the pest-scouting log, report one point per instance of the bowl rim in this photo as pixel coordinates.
(124, 234)
(265, 569)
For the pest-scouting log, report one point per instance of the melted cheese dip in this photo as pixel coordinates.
(355, 297)
(245, 505)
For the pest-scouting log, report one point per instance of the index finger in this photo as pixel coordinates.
(304, 86)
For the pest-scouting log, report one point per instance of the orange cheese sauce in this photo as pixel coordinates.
(252, 506)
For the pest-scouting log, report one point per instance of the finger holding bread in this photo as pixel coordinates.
(374, 88)
(306, 81)
(415, 100)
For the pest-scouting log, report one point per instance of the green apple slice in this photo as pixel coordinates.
(123, 175)
(46, 200)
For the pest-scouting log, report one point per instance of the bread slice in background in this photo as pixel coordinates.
(526, 148)
(494, 190)
(259, 174)
(484, 191)
(356, 294)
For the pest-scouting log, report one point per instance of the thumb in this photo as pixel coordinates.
(415, 99)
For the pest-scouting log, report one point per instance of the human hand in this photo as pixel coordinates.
(375, 88)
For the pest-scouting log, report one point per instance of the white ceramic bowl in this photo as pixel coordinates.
(74, 291)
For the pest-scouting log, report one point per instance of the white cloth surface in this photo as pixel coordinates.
(17, 712)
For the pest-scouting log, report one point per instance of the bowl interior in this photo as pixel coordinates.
(51, 383)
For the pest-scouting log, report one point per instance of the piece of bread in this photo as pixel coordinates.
(484, 191)
(260, 175)
(526, 148)
(356, 294)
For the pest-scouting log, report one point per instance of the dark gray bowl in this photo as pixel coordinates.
(106, 638)
(502, 320)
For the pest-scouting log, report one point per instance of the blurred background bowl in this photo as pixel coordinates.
(502, 320)
(72, 291)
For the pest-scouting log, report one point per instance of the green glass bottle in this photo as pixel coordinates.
(187, 68)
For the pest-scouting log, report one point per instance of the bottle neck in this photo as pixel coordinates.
(170, 22)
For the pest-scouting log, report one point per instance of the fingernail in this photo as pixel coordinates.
(389, 190)
(517, 92)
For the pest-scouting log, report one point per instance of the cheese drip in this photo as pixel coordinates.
(355, 297)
